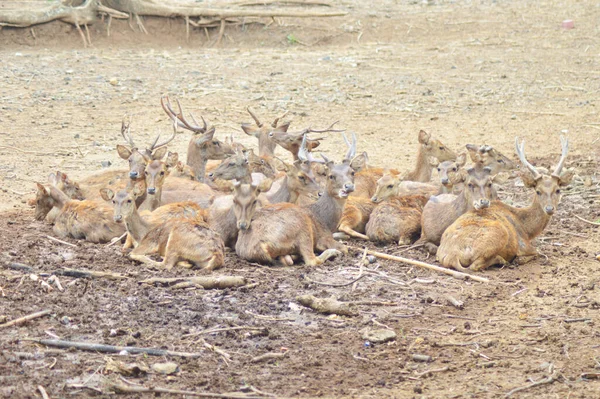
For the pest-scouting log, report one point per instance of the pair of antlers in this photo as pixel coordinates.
(520, 148)
(127, 136)
(305, 156)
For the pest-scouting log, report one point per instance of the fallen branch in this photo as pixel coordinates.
(120, 387)
(25, 318)
(89, 274)
(43, 392)
(428, 372)
(19, 266)
(424, 265)
(215, 330)
(326, 305)
(335, 285)
(455, 302)
(587, 221)
(86, 346)
(267, 357)
(210, 282)
(548, 380)
(61, 241)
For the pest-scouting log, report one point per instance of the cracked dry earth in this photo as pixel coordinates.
(467, 72)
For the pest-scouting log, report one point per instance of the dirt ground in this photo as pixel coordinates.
(467, 72)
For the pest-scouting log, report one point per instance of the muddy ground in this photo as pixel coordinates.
(481, 72)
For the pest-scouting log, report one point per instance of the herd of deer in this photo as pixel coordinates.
(270, 211)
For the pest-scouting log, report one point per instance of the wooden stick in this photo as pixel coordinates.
(87, 346)
(424, 265)
(268, 356)
(122, 388)
(587, 221)
(218, 282)
(61, 241)
(26, 318)
(89, 274)
(43, 392)
(215, 330)
(547, 380)
(335, 285)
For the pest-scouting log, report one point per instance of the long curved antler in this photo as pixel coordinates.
(521, 153)
(565, 150)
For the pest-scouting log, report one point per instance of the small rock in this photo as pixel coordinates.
(372, 259)
(165, 368)
(379, 336)
(113, 333)
(568, 24)
(33, 277)
(65, 320)
(105, 164)
(76, 136)
(18, 54)
(123, 353)
(113, 81)
(67, 256)
(69, 71)
(513, 117)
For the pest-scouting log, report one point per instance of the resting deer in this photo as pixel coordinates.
(179, 239)
(501, 233)
(179, 169)
(88, 220)
(428, 148)
(277, 232)
(266, 146)
(43, 203)
(203, 145)
(396, 219)
(293, 141)
(441, 211)
(486, 155)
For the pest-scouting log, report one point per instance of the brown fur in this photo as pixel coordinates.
(397, 219)
(266, 145)
(429, 147)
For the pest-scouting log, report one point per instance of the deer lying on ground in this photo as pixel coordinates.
(486, 155)
(203, 145)
(501, 233)
(397, 219)
(86, 219)
(178, 240)
(278, 232)
(357, 211)
(43, 202)
(266, 146)
(441, 211)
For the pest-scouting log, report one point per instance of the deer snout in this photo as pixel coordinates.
(445, 181)
(242, 225)
(133, 175)
(151, 190)
(211, 175)
(482, 203)
(549, 209)
(375, 199)
(118, 218)
(349, 187)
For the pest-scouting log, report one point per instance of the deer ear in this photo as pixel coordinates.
(107, 194)
(264, 185)
(41, 188)
(359, 162)
(210, 134)
(137, 191)
(500, 178)
(250, 130)
(566, 177)
(528, 179)
(159, 153)
(123, 151)
(424, 137)
(461, 159)
(51, 178)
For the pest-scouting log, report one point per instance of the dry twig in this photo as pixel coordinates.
(25, 318)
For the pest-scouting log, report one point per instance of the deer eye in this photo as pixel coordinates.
(331, 177)
(352, 173)
(489, 184)
(216, 143)
(113, 201)
(146, 173)
(390, 186)
(439, 170)
(471, 185)
(131, 160)
(262, 161)
(538, 192)
(558, 191)
(454, 169)
(441, 148)
(231, 163)
(129, 201)
(162, 173)
(500, 161)
(301, 178)
(254, 202)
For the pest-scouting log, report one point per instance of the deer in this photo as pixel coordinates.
(429, 147)
(500, 233)
(179, 240)
(275, 233)
(179, 169)
(80, 219)
(486, 155)
(266, 146)
(43, 203)
(203, 145)
(396, 219)
(293, 141)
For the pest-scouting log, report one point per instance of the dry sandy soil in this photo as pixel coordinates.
(481, 72)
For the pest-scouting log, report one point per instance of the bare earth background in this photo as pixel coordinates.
(468, 72)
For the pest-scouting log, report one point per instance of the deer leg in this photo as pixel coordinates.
(140, 24)
(404, 240)
(128, 242)
(482, 264)
(521, 260)
(286, 260)
(431, 248)
(346, 229)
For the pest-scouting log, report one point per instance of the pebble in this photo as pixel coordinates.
(105, 164)
(165, 368)
(379, 336)
(372, 259)
(113, 81)
(568, 24)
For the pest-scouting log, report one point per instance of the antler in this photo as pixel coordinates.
(329, 129)
(126, 131)
(302, 152)
(351, 147)
(276, 121)
(258, 122)
(180, 119)
(521, 153)
(564, 142)
(154, 145)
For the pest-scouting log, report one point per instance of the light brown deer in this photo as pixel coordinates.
(501, 233)
(442, 210)
(88, 220)
(277, 232)
(487, 156)
(398, 219)
(43, 203)
(429, 147)
(178, 240)
(179, 169)
(293, 141)
(203, 145)
(266, 146)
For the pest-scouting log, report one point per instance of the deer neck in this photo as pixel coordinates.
(266, 146)
(141, 185)
(328, 210)
(196, 160)
(136, 226)
(224, 222)
(60, 198)
(283, 194)
(533, 219)
(422, 171)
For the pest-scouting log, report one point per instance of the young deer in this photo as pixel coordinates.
(298, 180)
(178, 239)
(87, 220)
(277, 232)
(429, 147)
(294, 141)
(266, 146)
(501, 233)
(43, 203)
(486, 155)
(203, 145)
(397, 219)
(442, 210)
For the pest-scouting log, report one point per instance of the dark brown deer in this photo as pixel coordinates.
(178, 239)
(88, 220)
(500, 233)
(266, 146)
(277, 232)
(442, 210)
(203, 145)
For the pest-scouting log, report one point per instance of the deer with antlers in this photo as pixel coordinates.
(203, 145)
(501, 233)
(266, 146)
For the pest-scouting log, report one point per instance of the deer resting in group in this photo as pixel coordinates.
(501, 233)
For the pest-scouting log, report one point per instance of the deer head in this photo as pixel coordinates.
(245, 201)
(387, 187)
(435, 148)
(266, 146)
(479, 188)
(486, 155)
(156, 172)
(547, 187)
(123, 202)
(449, 171)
